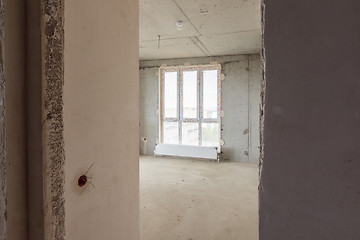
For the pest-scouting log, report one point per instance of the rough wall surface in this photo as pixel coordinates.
(240, 90)
(101, 117)
(254, 107)
(310, 176)
(149, 102)
(235, 124)
(53, 127)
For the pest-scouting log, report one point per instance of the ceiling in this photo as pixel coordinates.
(210, 28)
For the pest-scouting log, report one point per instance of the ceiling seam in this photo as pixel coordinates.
(199, 44)
(253, 30)
(186, 16)
(174, 38)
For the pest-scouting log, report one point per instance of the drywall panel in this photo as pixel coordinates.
(15, 131)
(310, 175)
(240, 88)
(101, 112)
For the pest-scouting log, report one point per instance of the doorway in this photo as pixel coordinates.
(185, 196)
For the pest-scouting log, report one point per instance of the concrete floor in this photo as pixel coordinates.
(197, 200)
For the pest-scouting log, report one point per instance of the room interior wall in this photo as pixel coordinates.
(240, 91)
(13, 130)
(101, 119)
(3, 218)
(255, 76)
(309, 187)
(34, 121)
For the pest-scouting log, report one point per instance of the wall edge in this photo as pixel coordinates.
(52, 27)
(3, 214)
(262, 108)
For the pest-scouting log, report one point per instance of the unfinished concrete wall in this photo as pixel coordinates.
(235, 125)
(13, 219)
(149, 105)
(255, 77)
(240, 90)
(101, 112)
(310, 176)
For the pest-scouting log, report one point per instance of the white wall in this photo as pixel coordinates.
(240, 102)
(101, 112)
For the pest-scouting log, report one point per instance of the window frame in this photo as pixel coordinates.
(179, 112)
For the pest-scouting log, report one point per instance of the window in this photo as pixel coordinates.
(190, 105)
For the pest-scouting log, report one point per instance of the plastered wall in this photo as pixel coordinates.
(101, 112)
(240, 103)
(13, 204)
(310, 176)
(34, 122)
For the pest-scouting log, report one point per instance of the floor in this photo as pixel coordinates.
(198, 199)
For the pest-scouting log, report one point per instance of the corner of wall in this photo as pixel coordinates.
(2, 130)
(53, 126)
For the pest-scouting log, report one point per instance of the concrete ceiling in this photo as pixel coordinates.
(210, 28)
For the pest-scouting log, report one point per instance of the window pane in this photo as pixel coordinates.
(210, 134)
(170, 95)
(171, 132)
(190, 94)
(190, 134)
(210, 93)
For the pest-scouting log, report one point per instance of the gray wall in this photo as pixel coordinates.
(310, 176)
(240, 103)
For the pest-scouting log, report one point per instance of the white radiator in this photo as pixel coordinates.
(178, 150)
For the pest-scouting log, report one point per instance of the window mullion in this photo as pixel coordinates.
(162, 106)
(200, 103)
(219, 106)
(180, 105)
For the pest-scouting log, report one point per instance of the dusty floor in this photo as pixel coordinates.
(197, 200)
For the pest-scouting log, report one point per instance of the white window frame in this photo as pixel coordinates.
(179, 119)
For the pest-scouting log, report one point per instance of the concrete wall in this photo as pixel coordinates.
(310, 176)
(240, 90)
(101, 112)
(13, 65)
